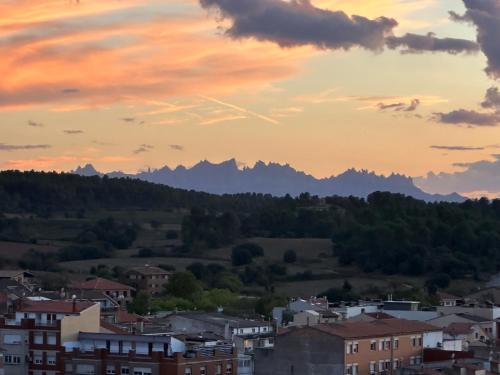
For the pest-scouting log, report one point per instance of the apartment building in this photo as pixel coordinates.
(349, 348)
(33, 338)
(125, 354)
(120, 293)
(245, 333)
(149, 279)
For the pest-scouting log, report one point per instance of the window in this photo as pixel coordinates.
(38, 360)
(396, 343)
(418, 360)
(85, 369)
(142, 371)
(51, 339)
(373, 346)
(355, 347)
(413, 341)
(387, 365)
(12, 339)
(348, 370)
(229, 369)
(355, 369)
(125, 371)
(412, 361)
(12, 359)
(373, 368)
(348, 348)
(38, 338)
(396, 364)
(110, 370)
(203, 370)
(218, 369)
(187, 371)
(420, 341)
(387, 345)
(51, 360)
(381, 366)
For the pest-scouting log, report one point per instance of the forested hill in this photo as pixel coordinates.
(50, 191)
(385, 232)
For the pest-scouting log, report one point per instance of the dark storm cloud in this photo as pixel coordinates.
(299, 22)
(485, 15)
(483, 175)
(468, 117)
(10, 147)
(414, 43)
(492, 98)
(456, 148)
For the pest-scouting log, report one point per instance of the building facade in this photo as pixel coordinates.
(149, 279)
(350, 348)
(111, 354)
(33, 338)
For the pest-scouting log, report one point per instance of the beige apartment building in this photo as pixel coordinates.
(33, 339)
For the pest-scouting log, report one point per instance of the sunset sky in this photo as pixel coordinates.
(131, 84)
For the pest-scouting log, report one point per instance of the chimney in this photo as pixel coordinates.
(74, 303)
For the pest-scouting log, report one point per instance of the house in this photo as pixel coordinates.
(448, 300)
(34, 336)
(467, 333)
(350, 348)
(149, 279)
(311, 317)
(120, 293)
(108, 353)
(401, 305)
(489, 295)
(486, 325)
(20, 276)
(247, 334)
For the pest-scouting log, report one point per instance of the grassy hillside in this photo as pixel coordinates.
(76, 225)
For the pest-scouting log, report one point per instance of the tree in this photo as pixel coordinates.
(172, 235)
(240, 256)
(141, 304)
(183, 285)
(229, 281)
(290, 256)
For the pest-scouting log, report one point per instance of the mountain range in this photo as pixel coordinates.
(275, 179)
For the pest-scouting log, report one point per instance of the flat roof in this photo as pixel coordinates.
(61, 307)
(376, 328)
(222, 320)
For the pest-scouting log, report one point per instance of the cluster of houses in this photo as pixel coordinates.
(86, 330)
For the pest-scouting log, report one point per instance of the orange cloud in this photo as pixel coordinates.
(68, 57)
(59, 163)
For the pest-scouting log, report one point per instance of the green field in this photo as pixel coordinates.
(47, 235)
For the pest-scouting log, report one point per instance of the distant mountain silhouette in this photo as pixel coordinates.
(275, 179)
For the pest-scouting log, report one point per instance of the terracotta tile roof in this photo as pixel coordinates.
(61, 307)
(444, 295)
(101, 284)
(459, 328)
(376, 328)
(109, 327)
(123, 316)
(379, 315)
